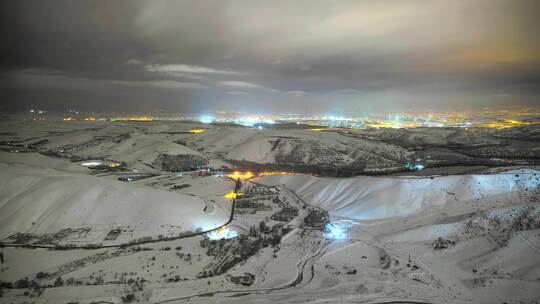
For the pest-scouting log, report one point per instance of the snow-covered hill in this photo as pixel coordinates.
(369, 198)
(45, 201)
(297, 148)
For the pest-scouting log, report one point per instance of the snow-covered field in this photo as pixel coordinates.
(470, 238)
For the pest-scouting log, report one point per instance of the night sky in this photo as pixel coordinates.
(269, 56)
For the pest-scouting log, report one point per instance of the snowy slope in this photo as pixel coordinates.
(146, 148)
(297, 147)
(377, 198)
(47, 200)
(41, 161)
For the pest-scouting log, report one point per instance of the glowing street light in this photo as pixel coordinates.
(196, 131)
(206, 119)
(231, 195)
(222, 233)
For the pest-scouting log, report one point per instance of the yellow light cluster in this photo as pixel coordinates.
(68, 119)
(505, 124)
(392, 125)
(240, 175)
(115, 165)
(89, 119)
(266, 173)
(232, 195)
(248, 175)
(136, 118)
(383, 125)
(196, 131)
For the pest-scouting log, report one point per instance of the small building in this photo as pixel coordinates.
(286, 214)
(316, 219)
(247, 279)
(113, 234)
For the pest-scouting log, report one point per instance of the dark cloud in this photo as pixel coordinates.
(269, 55)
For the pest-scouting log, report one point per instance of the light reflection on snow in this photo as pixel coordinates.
(414, 166)
(222, 233)
(336, 231)
(533, 181)
(206, 119)
(91, 163)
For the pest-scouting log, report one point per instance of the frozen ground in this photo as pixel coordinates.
(463, 238)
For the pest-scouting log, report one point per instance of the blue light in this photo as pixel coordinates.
(414, 167)
(206, 119)
(223, 233)
(333, 117)
(419, 167)
(335, 231)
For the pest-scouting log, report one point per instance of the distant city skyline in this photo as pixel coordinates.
(333, 57)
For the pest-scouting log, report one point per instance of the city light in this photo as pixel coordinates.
(91, 163)
(196, 131)
(336, 231)
(134, 118)
(206, 119)
(96, 163)
(489, 119)
(266, 173)
(249, 174)
(507, 123)
(240, 175)
(222, 233)
(414, 166)
(232, 195)
(251, 121)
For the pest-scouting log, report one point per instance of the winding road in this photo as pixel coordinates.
(301, 268)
